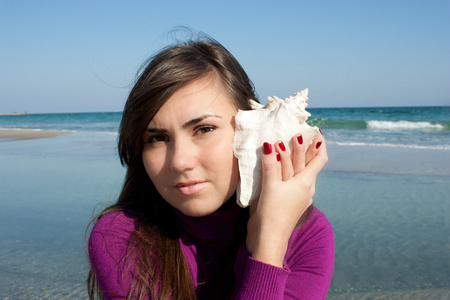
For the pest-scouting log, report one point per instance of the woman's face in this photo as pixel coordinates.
(187, 149)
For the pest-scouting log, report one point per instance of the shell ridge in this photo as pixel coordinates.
(278, 120)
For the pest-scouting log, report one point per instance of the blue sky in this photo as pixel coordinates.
(82, 56)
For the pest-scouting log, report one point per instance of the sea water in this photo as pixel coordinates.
(50, 190)
(412, 127)
(391, 230)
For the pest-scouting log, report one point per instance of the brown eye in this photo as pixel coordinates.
(157, 138)
(205, 129)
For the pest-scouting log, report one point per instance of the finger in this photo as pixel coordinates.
(313, 149)
(298, 159)
(270, 168)
(287, 170)
(316, 164)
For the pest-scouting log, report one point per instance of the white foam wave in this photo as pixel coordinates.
(106, 132)
(440, 147)
(405, 125)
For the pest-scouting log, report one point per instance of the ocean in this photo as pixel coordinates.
(411, 127)
(385, 191)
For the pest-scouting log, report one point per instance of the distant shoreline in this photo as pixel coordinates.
(262, 101)
(25, 134)
(15, 114)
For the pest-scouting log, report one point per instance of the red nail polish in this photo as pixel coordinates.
(300, 139)
(318, 145)
(267, 148)
(278, 157)
(282, 146)
(320, 131)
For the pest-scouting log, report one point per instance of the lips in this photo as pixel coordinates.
(191, 187)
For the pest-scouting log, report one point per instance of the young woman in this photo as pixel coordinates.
(176, 231)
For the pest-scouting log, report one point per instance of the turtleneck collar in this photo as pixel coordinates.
(221, 225)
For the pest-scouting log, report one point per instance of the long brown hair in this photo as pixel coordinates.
(154, 242)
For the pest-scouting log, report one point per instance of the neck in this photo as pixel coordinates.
(224, 224)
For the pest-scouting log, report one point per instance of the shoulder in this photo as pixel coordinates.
(111, 232)
(315, 234)
(116, 222)
(310, 258)
(317, 223)
(108, 251)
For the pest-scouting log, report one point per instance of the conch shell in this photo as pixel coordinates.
(278, 120)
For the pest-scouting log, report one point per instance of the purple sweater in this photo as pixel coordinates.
(206, 243)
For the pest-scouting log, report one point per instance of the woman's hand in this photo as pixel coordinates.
(288, 186)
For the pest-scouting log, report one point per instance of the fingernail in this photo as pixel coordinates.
(300, 139)
(320, 131)
(282, 146)
(318, 145)
(267, 148)
(278, 157)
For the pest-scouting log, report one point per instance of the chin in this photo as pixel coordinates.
(199, 209)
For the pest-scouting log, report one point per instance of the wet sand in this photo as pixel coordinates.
(387, 160)
(388, 208)
(29, 134)
(396, 295)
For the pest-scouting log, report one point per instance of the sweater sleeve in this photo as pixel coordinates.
(307, 270)
(108, 244)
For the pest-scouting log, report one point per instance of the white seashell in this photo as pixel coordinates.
(277, 121)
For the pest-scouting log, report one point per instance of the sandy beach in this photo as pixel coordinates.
(30, 134)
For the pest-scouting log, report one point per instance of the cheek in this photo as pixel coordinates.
(152, 165)
(223, 160)
(235, 172)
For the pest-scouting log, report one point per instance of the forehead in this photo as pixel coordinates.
(204, 95)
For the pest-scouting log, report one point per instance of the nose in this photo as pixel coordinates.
(182, 157)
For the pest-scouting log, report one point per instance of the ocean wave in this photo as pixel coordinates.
(337, 124)
(102, 132)
(405, 125)
(440, 147)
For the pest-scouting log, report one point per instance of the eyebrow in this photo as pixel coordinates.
(199, 119)
(187, 124)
